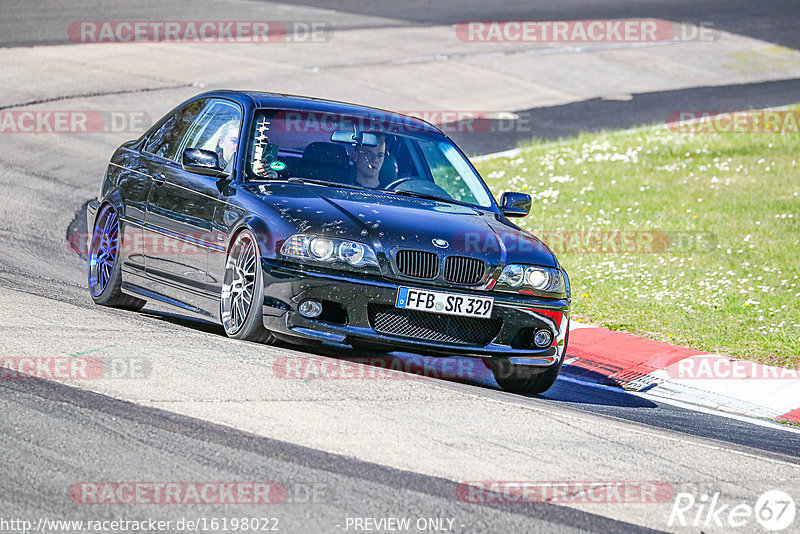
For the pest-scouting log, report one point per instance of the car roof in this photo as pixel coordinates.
(307, 103)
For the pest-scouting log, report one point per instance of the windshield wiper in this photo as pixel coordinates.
(413, 194)
(427, 196)
(304, 180)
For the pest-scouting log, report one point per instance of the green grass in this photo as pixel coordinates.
(789, 423)
(730, 203)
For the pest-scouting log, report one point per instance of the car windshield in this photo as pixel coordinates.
(363, 152)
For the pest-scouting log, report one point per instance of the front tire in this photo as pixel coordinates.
(242, 295)
(522, 379)
(526, 380)
(105, 272)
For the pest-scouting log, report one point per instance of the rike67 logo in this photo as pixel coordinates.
(774, 510)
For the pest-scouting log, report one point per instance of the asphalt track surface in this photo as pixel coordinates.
(53, 435)
(597, 114)
(29, 23)
(46, 420)
(774, 21)
(26, 23)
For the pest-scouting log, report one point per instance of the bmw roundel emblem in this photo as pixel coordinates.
(441, 243)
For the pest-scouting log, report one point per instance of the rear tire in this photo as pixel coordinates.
(105, 272)
(242, 295)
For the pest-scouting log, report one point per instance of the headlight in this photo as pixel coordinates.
(351, 252)
(532, 279)
(537, 278)
(329, 250)
(513, 275)
(321, 248)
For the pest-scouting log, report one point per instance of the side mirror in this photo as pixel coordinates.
(515, 204)
(201, 161)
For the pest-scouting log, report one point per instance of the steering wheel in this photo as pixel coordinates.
(419, 185)
(393, 185)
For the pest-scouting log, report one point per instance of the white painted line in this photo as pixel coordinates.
(755, 397)
(686, 405)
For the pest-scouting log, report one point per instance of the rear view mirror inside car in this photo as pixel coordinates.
(356, 138)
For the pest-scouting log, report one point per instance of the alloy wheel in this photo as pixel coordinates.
(103, 250)
(239, 284)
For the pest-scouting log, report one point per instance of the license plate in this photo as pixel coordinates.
(446, 303)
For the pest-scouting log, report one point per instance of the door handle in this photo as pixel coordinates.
(161, 177)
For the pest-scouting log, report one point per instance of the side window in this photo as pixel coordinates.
(166, 139)
(216, 129)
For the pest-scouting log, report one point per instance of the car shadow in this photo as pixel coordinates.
(571, 390)
(472, 371)
(186, 321)
(456, 369)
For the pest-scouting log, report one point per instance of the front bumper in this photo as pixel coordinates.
(285, 286)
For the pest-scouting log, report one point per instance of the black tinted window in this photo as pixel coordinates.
(166, 139)
(217, 130)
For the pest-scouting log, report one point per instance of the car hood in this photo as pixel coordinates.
(390, 222)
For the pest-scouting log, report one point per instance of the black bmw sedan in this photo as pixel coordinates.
(302, 220)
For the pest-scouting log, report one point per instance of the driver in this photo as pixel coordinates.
(368, 161)
(226, 144)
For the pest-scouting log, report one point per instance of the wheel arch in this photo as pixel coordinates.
(259, 227)
(115, 200)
